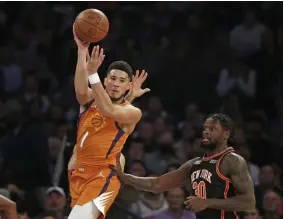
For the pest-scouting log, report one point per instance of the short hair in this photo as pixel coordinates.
(122, 66)
(226, 123)
(136, 161)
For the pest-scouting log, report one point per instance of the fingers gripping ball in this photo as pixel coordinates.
(91, 25)
(122, 162)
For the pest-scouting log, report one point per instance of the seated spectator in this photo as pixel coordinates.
(175, 198)
(149, 204)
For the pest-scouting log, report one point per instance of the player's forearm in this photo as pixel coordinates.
(129, 97)
(9, 207)
(81, 76)
(236, 203)
(102, 99)
(141, 183)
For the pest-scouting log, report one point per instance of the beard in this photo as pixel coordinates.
(115, 99)
(210, 146)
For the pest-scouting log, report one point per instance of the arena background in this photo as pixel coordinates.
(202, 58)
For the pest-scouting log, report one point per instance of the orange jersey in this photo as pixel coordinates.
(99, 138)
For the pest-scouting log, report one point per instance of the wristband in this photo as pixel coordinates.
(94, 78)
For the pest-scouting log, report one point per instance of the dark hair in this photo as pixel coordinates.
(226, 123)
(129, 165)
(122, 66)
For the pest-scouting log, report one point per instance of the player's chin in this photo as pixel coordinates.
(115, 96)
(208, 145)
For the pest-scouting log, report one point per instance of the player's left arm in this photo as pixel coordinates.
(242, 183)
(136, 84)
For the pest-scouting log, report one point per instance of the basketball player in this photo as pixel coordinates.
(220, 179)
(106, 120)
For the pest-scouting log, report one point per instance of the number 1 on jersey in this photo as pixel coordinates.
(199, 189)
(83, 139)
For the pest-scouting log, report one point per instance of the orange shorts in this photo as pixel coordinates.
(101, 187)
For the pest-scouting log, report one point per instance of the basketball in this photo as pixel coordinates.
(91, 25)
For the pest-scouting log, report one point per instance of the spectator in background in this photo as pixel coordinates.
(175, 198)
(22, 141)
(157, 161)
(145, 134)
(272, 205)
(11, 74)
(172, 167)
(31, 92)
(248, 38)
(245, 152)
(187, 138)
(237, 78)
(155, 108)
(127, 194)
(149, 204)
(135, 151)
(254, 214)
(55, 201)
(266, 183)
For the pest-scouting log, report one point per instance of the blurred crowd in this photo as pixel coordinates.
(202, 58)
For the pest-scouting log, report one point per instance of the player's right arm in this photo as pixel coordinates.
(9, 207)
(162, 183)
(83, 92)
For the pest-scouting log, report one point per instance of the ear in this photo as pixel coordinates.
(227, 134)
(105, 81)
(129, 85)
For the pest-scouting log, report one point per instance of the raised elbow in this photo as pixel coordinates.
(82, 97)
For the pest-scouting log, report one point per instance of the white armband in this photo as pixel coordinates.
(94, 78)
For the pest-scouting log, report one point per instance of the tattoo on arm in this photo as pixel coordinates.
(242, 183)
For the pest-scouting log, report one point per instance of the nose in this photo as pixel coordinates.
(205, 133)
(116, 84)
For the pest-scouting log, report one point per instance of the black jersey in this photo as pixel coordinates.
(208, 182)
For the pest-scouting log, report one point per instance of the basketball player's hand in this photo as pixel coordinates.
(137, 81)
(80, 44)
(195, 204)
(95, 60)
(118, 169)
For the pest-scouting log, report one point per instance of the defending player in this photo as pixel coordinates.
(220, 179)
(106, 120)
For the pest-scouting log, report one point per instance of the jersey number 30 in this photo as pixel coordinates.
(199, 189)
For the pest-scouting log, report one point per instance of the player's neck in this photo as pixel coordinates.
(217, 150)
(120, 101)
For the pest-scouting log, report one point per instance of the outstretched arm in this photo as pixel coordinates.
(83, 92)
(162, 183)
(243, 184)
(9, 207)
